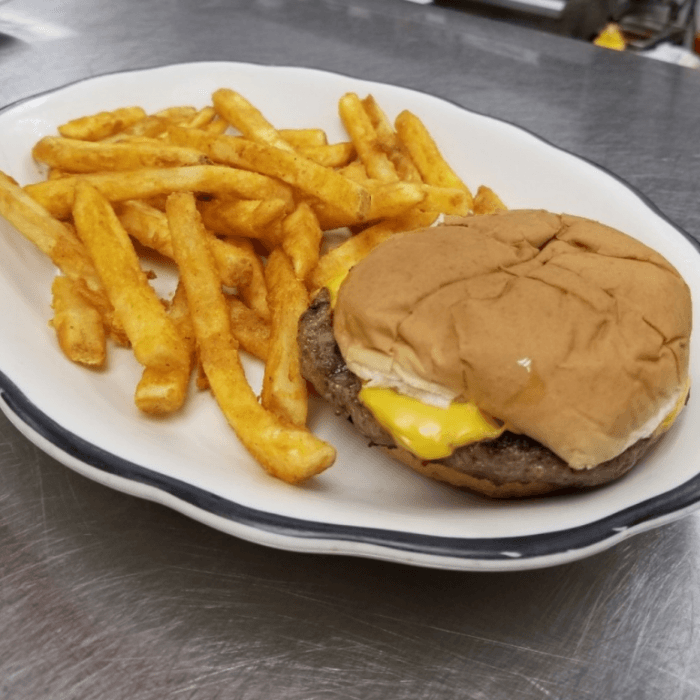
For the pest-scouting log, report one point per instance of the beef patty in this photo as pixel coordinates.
(508, 459)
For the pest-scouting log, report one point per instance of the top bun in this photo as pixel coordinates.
(568, 331)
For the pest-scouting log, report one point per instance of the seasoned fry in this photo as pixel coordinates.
(178, 115)
(390, 143)
(334, 155)
(153, 336)
(58, 241)
(149, 226)
(284, 389)
(254, 293)
(57, 195)
(74, 156)
(425, 153)
(252, 218)
(313, 179)
(335, 264)
(249, 120)
(249, 328)
(486, 201)
(357, 123)
(289, 453)
(301, 138)
(95, 127)
(151, 126)
(78, 325)
(160, 392)
(302, 240)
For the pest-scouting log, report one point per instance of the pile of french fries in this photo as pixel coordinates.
(240, 208)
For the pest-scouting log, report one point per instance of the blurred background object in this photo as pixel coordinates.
(664, 29)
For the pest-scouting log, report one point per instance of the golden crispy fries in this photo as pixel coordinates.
(335, 264)
(486, 201)
(57, 195)
(252, 218)
(302, 240)
(59, 242)
(237, 111)
(311, 178)
(74, 156)
(250, 330)
(425, 153)
(358, 124)
(334, 155)
(301, 138)
(78, 325)
(242, 220)
(95, 127)
(160, 392)
(390, 143)
(289, 453)
(153, 336)
(284, 389)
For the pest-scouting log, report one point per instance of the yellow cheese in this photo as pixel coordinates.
(427, 431)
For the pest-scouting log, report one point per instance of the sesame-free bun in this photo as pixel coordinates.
(566, 330)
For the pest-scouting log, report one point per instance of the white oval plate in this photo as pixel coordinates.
(366, 504)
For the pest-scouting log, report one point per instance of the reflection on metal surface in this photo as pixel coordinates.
(30, 29)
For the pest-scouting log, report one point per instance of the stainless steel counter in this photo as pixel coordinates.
(106, 596)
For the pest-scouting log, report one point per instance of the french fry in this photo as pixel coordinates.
(249, 328)
(336, 263)
(313, 179)
(161, 392)
(248, 119)
(425, 153)
(95, 127)
(284, 389)
(178, 115)
(57, 195)
(78, 325)
(254, 293)
(59, 242)
(290, 453)
(155, 341)
(302, 240)
(333, 155)
(149, 226)
(390, 143)
(486, 201)
(150, 125)
(75, 156)
(202, 119)
(358, 125)
(252, 218)
(301, 138)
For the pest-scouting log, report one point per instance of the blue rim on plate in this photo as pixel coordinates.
(487, 549)
(305, 534)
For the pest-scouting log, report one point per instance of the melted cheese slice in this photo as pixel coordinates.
(428, 432)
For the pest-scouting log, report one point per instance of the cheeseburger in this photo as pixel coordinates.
(513, 354)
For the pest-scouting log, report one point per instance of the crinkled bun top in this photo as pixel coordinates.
(566, 330)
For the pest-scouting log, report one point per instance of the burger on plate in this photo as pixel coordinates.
(513, 355)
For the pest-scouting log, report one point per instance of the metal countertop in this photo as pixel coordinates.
(107, 596)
